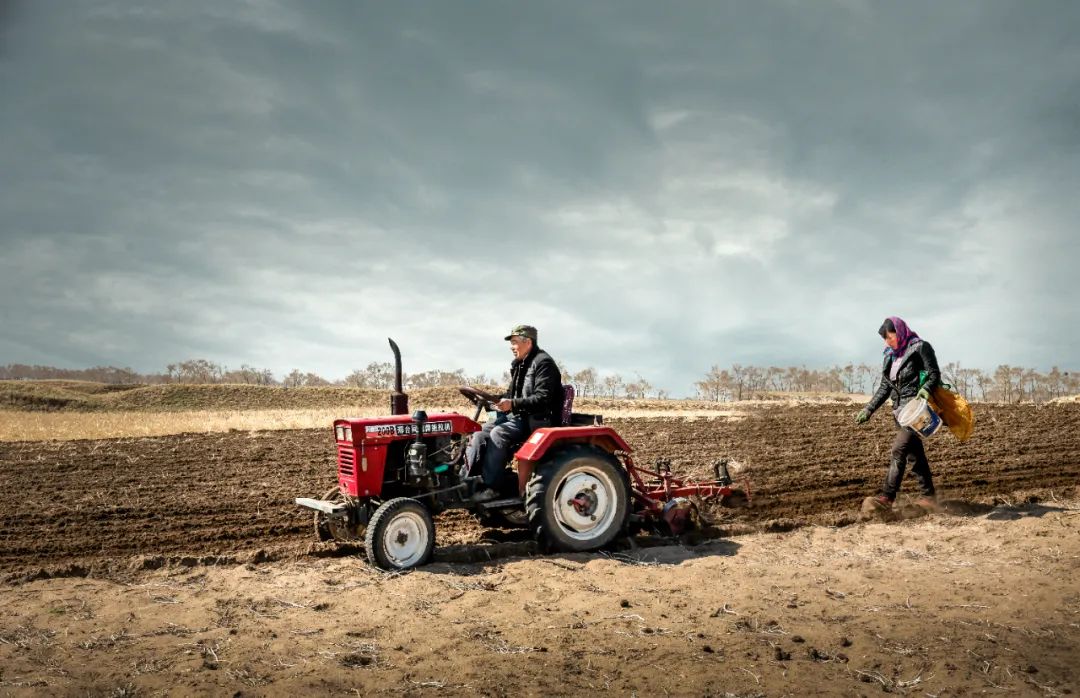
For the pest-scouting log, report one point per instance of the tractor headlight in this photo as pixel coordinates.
(343, 432)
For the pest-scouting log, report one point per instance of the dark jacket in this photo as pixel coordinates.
(906, 386)
(536, 388)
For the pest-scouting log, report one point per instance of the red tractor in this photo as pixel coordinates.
(576, 486)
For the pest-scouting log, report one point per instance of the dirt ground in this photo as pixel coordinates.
(176, 565)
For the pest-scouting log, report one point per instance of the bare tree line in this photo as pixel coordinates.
(1006, 383)
(98, 374)
(202, 371)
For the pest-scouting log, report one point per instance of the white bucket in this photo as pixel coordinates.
(918, 415)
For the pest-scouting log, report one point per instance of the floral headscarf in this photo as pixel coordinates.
(905, 336)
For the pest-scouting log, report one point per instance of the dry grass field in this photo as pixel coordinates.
(66, 410)
(66, 426)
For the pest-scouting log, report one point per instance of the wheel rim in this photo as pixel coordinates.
(585, 502)
(405, 539)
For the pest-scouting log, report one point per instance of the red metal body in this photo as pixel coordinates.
(361, 455)
(542, 440)
(420, 475)
(363, 446)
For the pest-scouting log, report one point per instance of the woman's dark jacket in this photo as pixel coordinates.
(919, 357)
(536, 388)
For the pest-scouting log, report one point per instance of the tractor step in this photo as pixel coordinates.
(328, 508)
(501, 503)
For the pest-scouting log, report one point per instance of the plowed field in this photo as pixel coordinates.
(86, 504)
(179, 565)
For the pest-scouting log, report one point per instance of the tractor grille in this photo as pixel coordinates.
(346, 460)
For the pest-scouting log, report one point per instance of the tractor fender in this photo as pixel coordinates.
(545, 439)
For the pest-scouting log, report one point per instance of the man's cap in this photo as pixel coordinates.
(522, 331)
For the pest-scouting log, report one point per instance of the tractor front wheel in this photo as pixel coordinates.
(578, 501)
(400, 535)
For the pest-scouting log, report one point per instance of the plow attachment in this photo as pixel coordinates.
(659, 496)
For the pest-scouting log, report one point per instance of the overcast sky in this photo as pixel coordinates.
(659, 187)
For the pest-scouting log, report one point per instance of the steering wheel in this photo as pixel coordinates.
(479, 398)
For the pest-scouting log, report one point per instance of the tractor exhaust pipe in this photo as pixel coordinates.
(399, 401)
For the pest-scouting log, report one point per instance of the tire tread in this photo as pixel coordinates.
(386, 510)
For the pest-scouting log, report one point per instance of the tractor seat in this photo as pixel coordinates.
(576, 419)
(568, 416)
(567, 404)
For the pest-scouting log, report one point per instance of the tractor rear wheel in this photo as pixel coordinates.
(400, 535)
(579, 500)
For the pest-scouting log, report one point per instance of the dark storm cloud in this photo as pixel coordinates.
(660, 188)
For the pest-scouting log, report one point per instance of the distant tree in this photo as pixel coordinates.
(1055, 383)
(313, 379)
(774, 379)
(297, 379)
(294, 379)
(738, 380)
(585, 382)
(436, 378)
(612, 384)
(799, 379)
(868, 376)
(1003, 383)
(98, 374)
(950, 373)
(1072, 382)
(195, 371)
(849, 377)
(636, 389)
(380, 375)
(755, 380)
(963, 380)
(715, 386)
(1034, 385)
(985, 382)
(832, 381)
(377, 375)
(356, 379)
(249, 375)
(480, 379)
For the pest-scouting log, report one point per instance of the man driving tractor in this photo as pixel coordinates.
(533, 400)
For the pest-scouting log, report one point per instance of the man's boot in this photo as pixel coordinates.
(485, 494)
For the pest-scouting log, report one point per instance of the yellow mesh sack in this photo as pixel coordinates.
(954, 411)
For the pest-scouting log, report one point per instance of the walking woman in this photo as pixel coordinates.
(907, 359)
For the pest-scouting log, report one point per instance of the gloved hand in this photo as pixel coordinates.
(863, 417)
(924, 394)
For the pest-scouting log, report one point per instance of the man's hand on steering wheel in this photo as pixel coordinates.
(504, 405)
(481, 398)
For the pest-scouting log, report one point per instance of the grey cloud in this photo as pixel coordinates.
(659, 188)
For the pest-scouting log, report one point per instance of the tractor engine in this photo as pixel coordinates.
(400, 456)
(382, 458)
